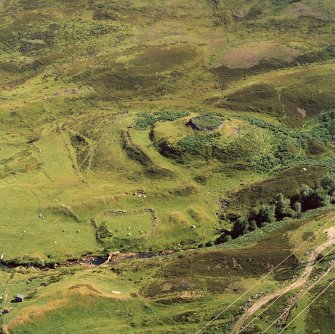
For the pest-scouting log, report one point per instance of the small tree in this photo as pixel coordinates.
(240, 227)
(321, 197)
(282, 207)
(297, 208)
(252, 226)
(227, 238)
(305, 192)
(311, 199)
(266, 215)
(328, 184)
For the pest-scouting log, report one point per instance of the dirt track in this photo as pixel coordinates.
(297, 284)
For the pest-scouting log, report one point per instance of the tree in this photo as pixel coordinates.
(311, 199)
(305, 192)
(282, 207)
(252, 226)
(227, 238)
(321, 197)
(328, 184)
(253, 215)
(240, 227)
(266, 215)
(297, 208)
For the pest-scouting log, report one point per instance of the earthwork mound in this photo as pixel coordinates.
(206, 122)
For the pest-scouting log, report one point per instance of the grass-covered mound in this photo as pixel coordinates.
(247, 141)
(204, 137)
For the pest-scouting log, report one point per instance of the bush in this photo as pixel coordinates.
(103, 231)
(209, 243)
(145, 121)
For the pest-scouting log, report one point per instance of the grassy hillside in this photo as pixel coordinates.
(144, 129)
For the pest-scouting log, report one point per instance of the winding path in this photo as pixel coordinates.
(302, 280)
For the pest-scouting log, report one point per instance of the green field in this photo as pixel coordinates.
(156, 136)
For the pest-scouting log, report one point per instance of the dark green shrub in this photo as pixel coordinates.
(103, 231)
(209, 243)
(145, 121)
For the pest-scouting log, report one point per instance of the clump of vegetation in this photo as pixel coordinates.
(146, 120)
(312, 198)
(105, 14)
(200, 145)
(280, 208)
(81, 146)
(323, 127)
(103, 231)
